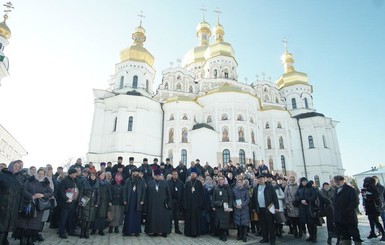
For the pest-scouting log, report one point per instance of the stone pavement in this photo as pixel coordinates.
(51, 238)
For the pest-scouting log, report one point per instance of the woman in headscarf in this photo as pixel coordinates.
(116, 202)
(35, 188)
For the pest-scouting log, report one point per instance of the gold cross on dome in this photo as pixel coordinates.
(141, 16)
(218, 11)
(203, 12)
(9, 7)
(285, 43)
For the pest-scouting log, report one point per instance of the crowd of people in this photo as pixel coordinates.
(121, 198)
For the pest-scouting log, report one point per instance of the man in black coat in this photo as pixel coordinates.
(146, 170)
(11, 193)
(128, 169)
(176, 187)
(182, 171)
(345, 217)
(264, 196)
(68, 196)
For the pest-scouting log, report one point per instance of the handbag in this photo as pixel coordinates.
(279, 217)
(110, 215)
(28, 210)
(43, 204)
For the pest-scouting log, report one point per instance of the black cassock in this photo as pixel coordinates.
(193, 205)
(158, 207)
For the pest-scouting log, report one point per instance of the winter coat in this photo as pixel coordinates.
(31, 187)
(116, 193)
(11, 193)
(308, 193)
(270, 197)
(345, 203)
(290, 191)
(88, 211)
(222, 194)
(140, 192)
(281, 197)
(104, 199)
(326, 200)
(241, 216)
(371, 200)
(65, 185)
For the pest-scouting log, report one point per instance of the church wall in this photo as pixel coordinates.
(204, 146)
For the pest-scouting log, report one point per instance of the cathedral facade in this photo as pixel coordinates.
(201, 110)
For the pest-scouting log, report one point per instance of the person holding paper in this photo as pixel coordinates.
(222, 204)
(241, 209)
(265, 203)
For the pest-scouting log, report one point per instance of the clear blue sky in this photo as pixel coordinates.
(60, 50)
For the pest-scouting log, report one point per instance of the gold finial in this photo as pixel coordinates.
(285, 43)
(141, 17)
(9, 7)
(218, 11)
(203, 12)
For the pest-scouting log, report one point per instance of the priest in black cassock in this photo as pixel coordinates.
(193, 205)
(158, 206)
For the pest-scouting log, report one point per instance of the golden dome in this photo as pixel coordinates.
(4, 29)
(219, 48)
(137, 52)
(219, 33)
(287, 61)
(195, 55)
(203, 26)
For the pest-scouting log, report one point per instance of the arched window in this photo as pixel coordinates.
(171, 135)
(225, 134)
(271, 163)
(252, 137)
(121, 82)
(226, 73)
(267, 125)
(311, 142)
(279, 125)
(276, 100)
(215, 73)
(281, 145)
(135, 82)
(241, 134)
(306, 103)
(224, 117)
(242, 157)
(268, 143)
(166, 86)
(190, 89)
(115, 123)
(283, 164)
(171, 117)
(130, 123)
(240, 117)
(178, 86)
(324, 141)
(251, 120)
(293, 103)
(147, 84)
(209, 119)
(184, 156)
(184, 135)
(185, 117)
(226, 156)
(316, 180)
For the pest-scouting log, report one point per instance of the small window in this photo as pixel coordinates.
(178, 86)
(293, 103)
(147, 84)
(226, 74)
(311, 142)
(171, 117)
(283, 164)
(279, 125)
(267, 125)
(190, 89)
(276, 100)
(184, 135)
(115, 124)
(251, 120)
(130, 123)
(268, 143)
(224, 117)
(240, 117)
(184, 156)
(166, 86)
(184, 117)
(121, 82)
(215, 73)
(306, 103)
(226, 156)
(281, 145)
(316, 180)
(135, 82)
(209, 119)
(242, 157)
(225, 135)
(241, 135)
(324, 141)
(252, 137)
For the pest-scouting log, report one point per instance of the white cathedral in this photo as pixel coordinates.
(201, 110)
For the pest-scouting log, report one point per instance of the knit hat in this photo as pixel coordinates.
(72, 171)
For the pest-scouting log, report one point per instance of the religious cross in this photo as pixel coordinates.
(9, 7)
(203, 12)
(218, 11)
(285, 43)
(141, 16)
